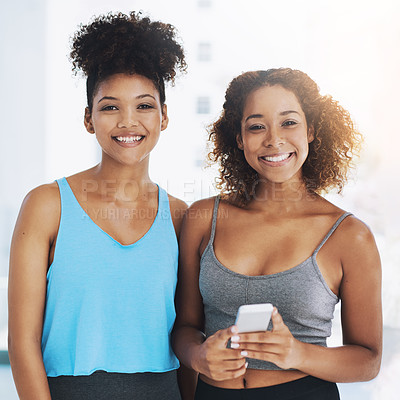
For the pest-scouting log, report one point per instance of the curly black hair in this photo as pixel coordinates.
(120, 43)
(336, 140)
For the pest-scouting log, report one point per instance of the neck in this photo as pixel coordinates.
(124, 182)
(281, 198)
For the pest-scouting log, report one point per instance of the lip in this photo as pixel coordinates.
(128, 140)
(276, 160)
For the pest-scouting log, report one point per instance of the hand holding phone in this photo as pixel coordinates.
(253, 317)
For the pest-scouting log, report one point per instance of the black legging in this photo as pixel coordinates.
(308, 388)
(114, 386)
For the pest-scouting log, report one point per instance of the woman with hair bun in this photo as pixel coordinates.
(270, 237)
(93, 265)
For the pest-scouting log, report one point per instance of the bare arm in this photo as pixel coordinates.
(189, 323)
(34, 232)
(360, 291)
(209, 357)
(187, 377)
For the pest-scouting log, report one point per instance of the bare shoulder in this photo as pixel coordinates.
(355, 232)
(207, 203)
(197, 216)
(177, 205)
(177, 209)
(200, 212)
(41, 208)
(358, 250)
(196, 228)
(351, 231)
(44, 198)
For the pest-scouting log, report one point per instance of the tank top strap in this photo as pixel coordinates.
(63, 188)
(214, 219)
(328, 235)
(163, 200)
(69, 203)
(164, 216)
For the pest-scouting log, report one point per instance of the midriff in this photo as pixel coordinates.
(254, 378)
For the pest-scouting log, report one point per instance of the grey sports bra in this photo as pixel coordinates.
(301, 295)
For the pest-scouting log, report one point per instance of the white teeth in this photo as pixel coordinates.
(128, 139)
(281, 157)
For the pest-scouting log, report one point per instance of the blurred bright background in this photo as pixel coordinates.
(349, 47)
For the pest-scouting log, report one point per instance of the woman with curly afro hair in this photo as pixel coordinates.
(270, 237)
(94, 256)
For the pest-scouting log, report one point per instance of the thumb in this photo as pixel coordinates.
(277, 321)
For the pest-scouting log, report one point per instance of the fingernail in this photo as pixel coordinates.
(244, 353)
(275, 311)
(234, 329)
(246, 365)
(235, 338)
(234, 345)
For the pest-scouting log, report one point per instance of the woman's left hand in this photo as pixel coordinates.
(277, 346)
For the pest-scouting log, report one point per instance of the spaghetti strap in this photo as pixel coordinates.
(328, 235)
(214, 219)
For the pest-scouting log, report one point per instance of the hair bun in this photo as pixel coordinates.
(115, 43)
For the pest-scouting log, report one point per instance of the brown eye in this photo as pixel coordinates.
(145, 107)
(289, 123)
(109, 108)
(256, 127)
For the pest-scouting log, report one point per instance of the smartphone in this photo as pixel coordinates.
(253, 317)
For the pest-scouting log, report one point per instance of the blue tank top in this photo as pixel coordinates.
(109, 306)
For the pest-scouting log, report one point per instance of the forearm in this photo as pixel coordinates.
(349, 363)
(187, 381)
(186, 342)
(28, 372)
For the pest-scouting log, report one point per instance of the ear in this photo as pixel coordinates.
(239, 141)
(88, 121)
(164, 117)
(310, 134)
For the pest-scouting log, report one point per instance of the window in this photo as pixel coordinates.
(204, 3)
(204, 51)
(203, 105)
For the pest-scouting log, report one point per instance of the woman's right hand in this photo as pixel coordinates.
(216, 361)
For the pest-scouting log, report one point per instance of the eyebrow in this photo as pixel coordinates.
(107, 98)
(289, 112)
(253, 116)
(141, 96)
(282, 113)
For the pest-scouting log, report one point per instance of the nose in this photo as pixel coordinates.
(274, 137)
(128, 120)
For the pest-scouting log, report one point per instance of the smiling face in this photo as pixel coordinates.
(127, 118)
(274, 134)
